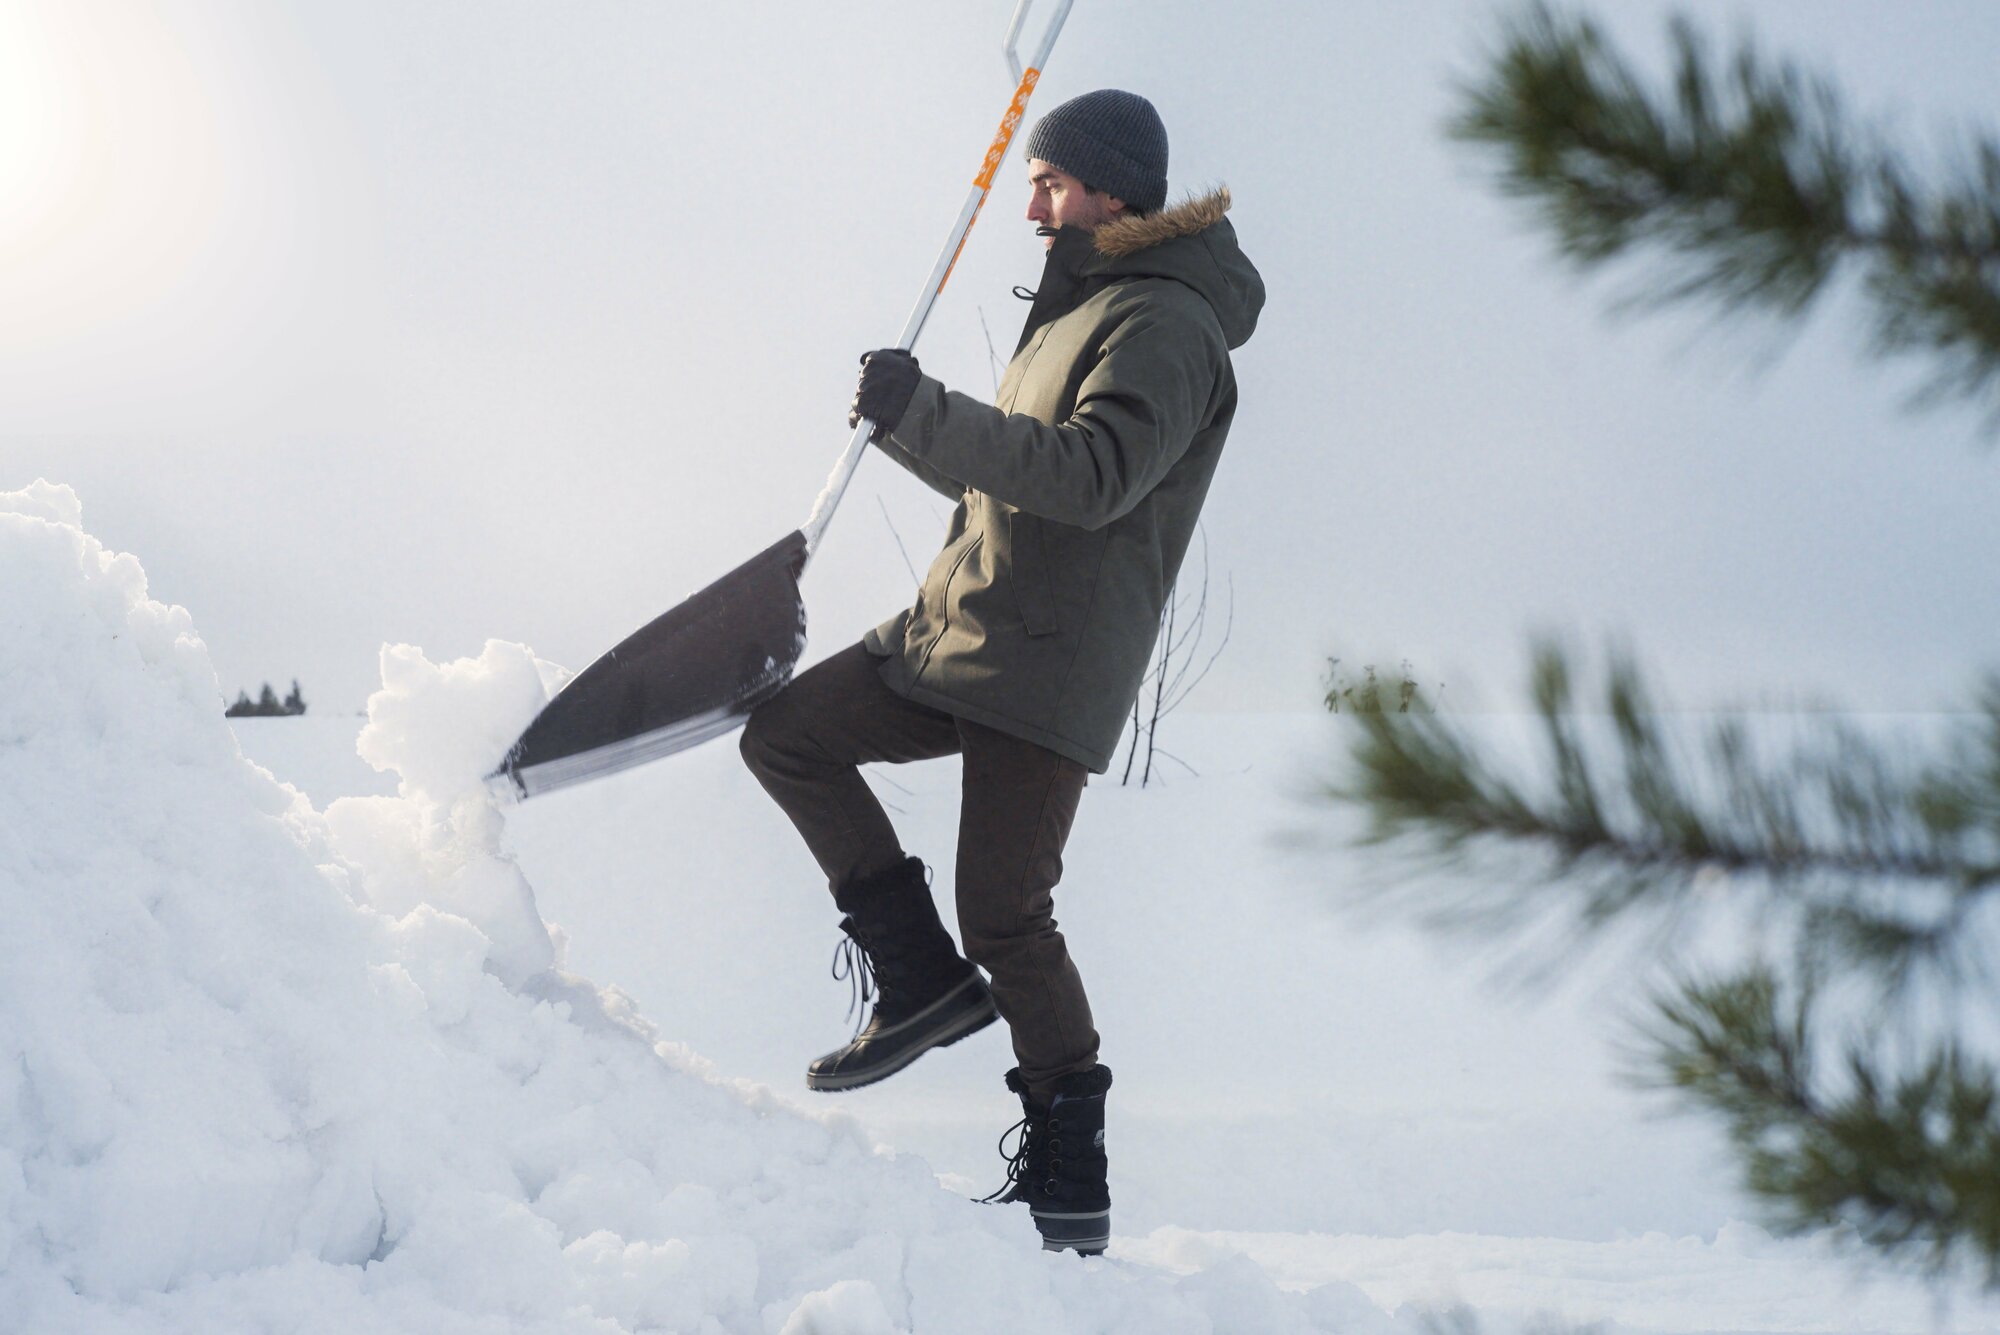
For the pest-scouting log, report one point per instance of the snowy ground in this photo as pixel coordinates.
(274, 1059)
(1334, 1101)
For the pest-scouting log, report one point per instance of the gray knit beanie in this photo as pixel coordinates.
(1110, 140)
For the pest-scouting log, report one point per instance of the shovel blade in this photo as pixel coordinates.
(690, 674)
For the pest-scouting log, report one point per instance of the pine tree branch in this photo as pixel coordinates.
(1883, 863)
(1910, 1161)
(1754, 183)
(1754, 188)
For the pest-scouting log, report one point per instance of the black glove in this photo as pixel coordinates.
(888, 378)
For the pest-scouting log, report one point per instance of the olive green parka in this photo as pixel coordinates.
(1078, 493)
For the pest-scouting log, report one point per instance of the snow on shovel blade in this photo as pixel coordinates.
(688, 675)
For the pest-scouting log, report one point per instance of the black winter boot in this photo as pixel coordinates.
(1059, 1167)
(926, 994)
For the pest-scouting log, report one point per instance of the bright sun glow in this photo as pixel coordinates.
(111, 171)
(177, 232)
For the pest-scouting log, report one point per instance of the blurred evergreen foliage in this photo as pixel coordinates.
(1841, 1053)
(1754, 186)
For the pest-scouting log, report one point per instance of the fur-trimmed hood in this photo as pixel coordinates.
(1135, 232)
(1191, 242)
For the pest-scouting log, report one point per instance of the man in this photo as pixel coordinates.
(1077, 497)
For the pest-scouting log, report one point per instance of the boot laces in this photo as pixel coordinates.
(1017, 1158)
(853, 966)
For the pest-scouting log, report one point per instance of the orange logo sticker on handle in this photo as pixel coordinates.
(1010, 122)
(961, 244)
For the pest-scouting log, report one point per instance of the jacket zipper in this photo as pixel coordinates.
(944, 604)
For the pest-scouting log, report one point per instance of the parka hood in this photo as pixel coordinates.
(1191, 242)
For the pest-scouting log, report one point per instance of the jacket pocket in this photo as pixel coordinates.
(1029, 570)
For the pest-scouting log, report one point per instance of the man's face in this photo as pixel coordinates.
(1058, 199)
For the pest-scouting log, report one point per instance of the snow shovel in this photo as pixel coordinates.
(697, 671)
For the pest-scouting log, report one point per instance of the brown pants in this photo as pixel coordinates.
(806, 745)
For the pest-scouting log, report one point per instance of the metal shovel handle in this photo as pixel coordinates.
(968, 214)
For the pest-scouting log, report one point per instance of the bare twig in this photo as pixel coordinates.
(1228, 624)
(992, 353)
(1176, 668)
(907, 564)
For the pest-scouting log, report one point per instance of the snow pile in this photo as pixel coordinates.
(267, 1068)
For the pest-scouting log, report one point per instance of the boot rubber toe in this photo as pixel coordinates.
(881, 1050)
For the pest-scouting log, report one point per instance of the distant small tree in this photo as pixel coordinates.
(1372, 696)
(267, 704)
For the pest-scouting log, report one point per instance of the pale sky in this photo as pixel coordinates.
(435, 322)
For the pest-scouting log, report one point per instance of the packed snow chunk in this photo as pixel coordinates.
(441, 728)
(444, 727)
(851, 1307)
